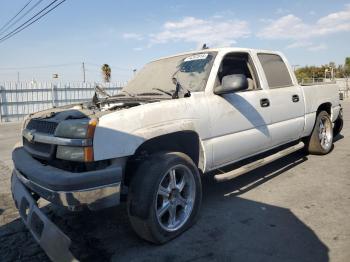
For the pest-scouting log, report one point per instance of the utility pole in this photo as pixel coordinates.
(332, 72)
(83, 72)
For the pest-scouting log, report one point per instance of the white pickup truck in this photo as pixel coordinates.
(179, 118)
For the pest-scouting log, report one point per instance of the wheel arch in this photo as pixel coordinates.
(185, 141)
(325, 107)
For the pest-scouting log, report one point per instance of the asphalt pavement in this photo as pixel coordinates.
(295, 209)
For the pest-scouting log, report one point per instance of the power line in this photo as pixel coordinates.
(112, 66)
(86, 65)
(17, 20)
(20, 11)
(24, 26)
(94, 71)
(38, 67)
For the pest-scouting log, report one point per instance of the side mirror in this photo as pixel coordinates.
(232, 83)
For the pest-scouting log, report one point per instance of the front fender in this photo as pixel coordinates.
(120, 133)
(111, 143)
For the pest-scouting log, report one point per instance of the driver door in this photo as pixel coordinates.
(239, 121)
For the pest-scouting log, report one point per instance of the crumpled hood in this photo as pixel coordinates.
(77, 111)
(64, 112)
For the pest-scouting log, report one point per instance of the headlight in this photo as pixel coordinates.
(78, 154)
(73, 128)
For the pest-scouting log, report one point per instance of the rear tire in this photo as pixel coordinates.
(321, 140)
(165, 196)
(338, 124)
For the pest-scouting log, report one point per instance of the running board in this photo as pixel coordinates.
(258, 163)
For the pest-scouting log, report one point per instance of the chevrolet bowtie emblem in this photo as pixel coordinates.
(29, 135)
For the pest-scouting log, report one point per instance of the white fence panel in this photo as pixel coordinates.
(18, 99)
(344, 86)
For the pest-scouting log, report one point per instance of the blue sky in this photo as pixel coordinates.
(128, 34)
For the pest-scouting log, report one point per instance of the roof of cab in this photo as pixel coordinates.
(220, 49)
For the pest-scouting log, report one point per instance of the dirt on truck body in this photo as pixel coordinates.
(180, 118)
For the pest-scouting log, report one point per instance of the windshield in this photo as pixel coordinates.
(191, 70)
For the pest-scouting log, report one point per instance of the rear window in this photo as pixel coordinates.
(275, 70)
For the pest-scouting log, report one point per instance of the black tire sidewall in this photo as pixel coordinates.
(314, 143)
(338, 124)
(154, 170)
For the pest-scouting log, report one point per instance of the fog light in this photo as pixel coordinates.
(80, 154)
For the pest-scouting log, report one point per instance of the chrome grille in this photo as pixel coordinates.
(40, 150)
(42, 126)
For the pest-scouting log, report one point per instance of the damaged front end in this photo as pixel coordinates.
(56, 162)
(55, 243)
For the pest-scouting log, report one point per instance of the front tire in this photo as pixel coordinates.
(321, 140)
(165, 196)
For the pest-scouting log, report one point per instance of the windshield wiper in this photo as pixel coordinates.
(101, 91)
(149, 94)
(126, 92)
(163, 91)
(178, 87)
(96, 100)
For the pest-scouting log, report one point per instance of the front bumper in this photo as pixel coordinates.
(94, 189)
(52, 240)
(30, 178)
(93, 198)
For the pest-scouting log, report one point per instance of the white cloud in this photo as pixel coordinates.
(214, 31)
(281, 11)
(316, 48)
(312, 12)
(217, 16)
(138, 48)
(132, 36)
(218, 31)
(286, 27)
(266, 20)
(308, 45)
(299, 44)
(293, 27)
(184, 23)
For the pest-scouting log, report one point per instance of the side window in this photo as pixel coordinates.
(238, 63)
(275, 70)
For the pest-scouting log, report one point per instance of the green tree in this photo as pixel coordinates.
(106, 72)
(347, 67)
(301, 74)
(308, 73)
(339, 72)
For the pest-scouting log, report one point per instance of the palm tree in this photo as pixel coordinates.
(106, 72)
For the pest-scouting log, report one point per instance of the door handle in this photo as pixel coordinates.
(264, 102)
(295, 98)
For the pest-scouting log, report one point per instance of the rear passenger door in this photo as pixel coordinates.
(286, 100)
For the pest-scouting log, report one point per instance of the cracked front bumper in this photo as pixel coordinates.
(95, 189)
(94, 198)
(31, 179)
(52, 240)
